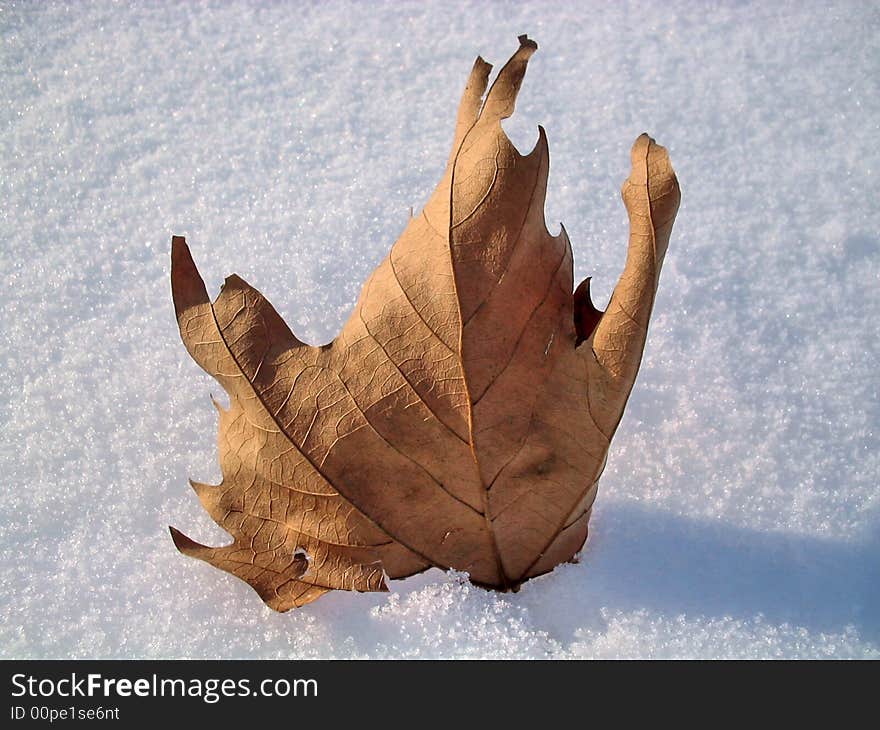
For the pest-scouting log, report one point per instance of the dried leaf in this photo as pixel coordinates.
(462, 417)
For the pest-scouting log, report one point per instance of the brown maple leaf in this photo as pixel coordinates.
(462, 417)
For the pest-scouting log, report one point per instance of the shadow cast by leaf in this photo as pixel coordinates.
(640, 558)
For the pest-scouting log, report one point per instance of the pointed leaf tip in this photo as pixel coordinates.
(233, 282)
(183, 543)
(501, 99)
(586, 316)
(525, 41)
(187, 287)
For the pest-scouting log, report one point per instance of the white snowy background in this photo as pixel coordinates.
(739, 515)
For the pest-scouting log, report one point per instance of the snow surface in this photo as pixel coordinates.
(739, 515)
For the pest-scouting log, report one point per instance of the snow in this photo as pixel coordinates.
(739, 515)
